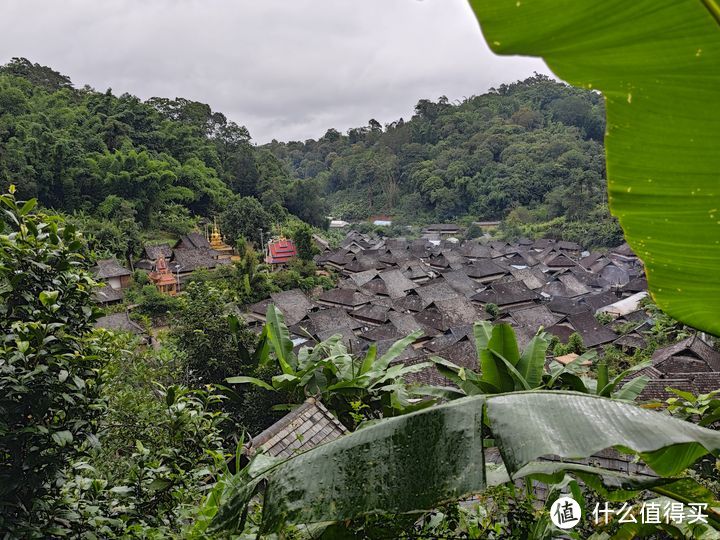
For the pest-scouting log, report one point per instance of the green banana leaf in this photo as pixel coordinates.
(532, 361)
(398, 465)
(528, 425)
(416, 462)
(279, 337)
(657, 62)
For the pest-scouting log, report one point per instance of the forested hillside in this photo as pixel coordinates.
(532, 145)
(127, 163)
(530, 153)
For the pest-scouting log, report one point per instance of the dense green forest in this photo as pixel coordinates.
(121, 166)
(531, 150)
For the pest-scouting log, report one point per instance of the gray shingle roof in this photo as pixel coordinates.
(508, 293)
(329, 319)
(566, 306)
(192, 240)
(484, 268)
(532, 278)
(344, 297)
(155, 252)
(597, 301)
(306, 427)
(592, 332)
(107, 295)
(119, 322)
(437, 290)
(534, 317)
(566, 285)
(110, 268)
(396, 283)
(293, 304)
(373, 313)
(692, 347)
(361, 278)
(194, 259)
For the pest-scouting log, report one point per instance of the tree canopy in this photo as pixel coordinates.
(534, 144)
(75, 150)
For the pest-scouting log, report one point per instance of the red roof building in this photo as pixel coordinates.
(280, 251)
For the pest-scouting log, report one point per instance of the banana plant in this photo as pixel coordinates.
(416, 462)
(327, 370)
(655, 62)
(503, 368)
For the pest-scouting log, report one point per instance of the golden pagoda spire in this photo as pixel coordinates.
(216, 237)
(217, 244)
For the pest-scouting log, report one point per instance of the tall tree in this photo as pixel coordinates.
(246, 218)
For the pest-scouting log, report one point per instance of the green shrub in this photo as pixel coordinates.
(50, 383)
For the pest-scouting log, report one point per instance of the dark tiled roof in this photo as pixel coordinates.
(344, 297)
(624, 250)
(475, 250)
(192, 240)
(329, 319)
(460, 282)
(632, 341)
(260, 308)
(534, 317)
(542, 243)
(592, 332)
(459, 311)
(375, 286)
(695, 383)
(484, 268)
(193, 259)
(562, 331)
(372, 313)
(293, 304)
(432, 317)
(597, 301)
(587, 262)
(690, 347)
(637, 284)
(567, 286)
(405, 323)
(119, 322)
(531, 277)
(396, 283)
(384, 332)
(308, 426)
(513, 292)
(411, 302)
(569, 246)
(341, 257)
(361, 278)
(110, 268)
(436, 290)
(156, 251)
(107, 295)
(567, 306)
(462, 353)
(615, 275)
(560, 261)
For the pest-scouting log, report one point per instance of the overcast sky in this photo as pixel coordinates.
(286, 69)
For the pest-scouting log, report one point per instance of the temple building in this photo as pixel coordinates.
(216, 243)
(162, 277)
(280, 251)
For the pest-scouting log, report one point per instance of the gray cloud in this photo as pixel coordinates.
(287, 69)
